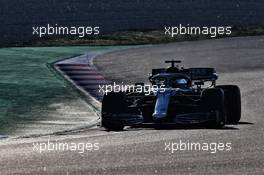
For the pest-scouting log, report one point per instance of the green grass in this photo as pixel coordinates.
(28, 86)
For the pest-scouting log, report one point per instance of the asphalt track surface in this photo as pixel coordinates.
(142, 150)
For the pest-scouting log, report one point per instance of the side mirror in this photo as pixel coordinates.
(199, 83)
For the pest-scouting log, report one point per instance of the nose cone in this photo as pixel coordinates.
(161, 106)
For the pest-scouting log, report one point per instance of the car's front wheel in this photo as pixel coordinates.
(232, 103)
(213, 101)
(113, 103)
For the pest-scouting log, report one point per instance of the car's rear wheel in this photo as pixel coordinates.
(113, 103)
(232, 103)
(213, 101)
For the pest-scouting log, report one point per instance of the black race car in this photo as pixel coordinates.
(177, 95)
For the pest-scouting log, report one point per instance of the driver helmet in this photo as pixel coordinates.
(179, 83)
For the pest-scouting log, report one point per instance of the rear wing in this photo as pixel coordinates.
(206, 74)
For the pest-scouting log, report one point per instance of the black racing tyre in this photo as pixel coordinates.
(213, 100)
(147, 114)
(113, 103)
(112, 126)
(232, 103)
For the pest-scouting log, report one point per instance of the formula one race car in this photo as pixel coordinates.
(178, 96)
